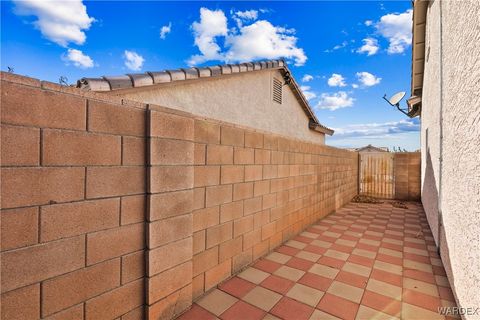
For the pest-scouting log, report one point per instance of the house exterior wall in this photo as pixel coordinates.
(451, 163)
(243, 99)
(112, 210)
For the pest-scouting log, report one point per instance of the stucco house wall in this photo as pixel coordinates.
(451, 142)
(244, 99)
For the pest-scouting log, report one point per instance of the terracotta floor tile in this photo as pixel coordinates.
(421, 246)
(385, 289)
(310, 256)
(300, 264)
(416, 313)
(288, 308)
(366, 313)
(390, 252)
(421, 300)
(197, 313)
(315, 249)
(303, 239)
(278, 257)
(442, 281)
(320, 315)
(289, 273)
(344, 242)
(253, 275)
(305, 294)
(315, 281)
(217, 302)
(367, 262)
(277, 284)
(349, 237)
(362, 262)
(267, 265)
(365, 253)
(331, 262)
(387, 277)
(446, 294)
(337, 254)
(338, 307)
(326, 238)
(295, 244)
(419, 275)
(324, 271)
(287, 250)
(421, 286)
(366, 247)
(357, 269)
(352, 279)
(382, 303)
(388, 267)
(242, 311)
(439, 271)
(237, 287)
(342, 248)
(309, 234)
(262, 298)
(321, 243)
(389, 259)
(416, 257)
(391, 246)
(346, 291)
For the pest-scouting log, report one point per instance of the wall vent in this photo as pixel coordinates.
(277, 91)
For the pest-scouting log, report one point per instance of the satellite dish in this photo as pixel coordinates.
(396, 98)
(395, 101)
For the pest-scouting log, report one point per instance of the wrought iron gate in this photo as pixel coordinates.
(376, 178)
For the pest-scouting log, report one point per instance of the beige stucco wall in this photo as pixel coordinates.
(244, 99)
(458, 173)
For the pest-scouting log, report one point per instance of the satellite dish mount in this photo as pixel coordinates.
(394, 101)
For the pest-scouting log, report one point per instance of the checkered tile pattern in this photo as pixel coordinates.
(366, 261)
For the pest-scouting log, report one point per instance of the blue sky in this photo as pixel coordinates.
(345, 54)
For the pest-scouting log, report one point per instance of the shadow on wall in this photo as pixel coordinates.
(429, 198)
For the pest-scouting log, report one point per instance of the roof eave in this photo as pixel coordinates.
(133, 81)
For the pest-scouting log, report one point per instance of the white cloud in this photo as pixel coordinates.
(378, 129)
(367, 79)
(213, 23)
(133, 60)
(307, 78)
(308, 93)
(258, 40)
(354, 86)
(247, 14)
(165, 30)
(370, 46)
(62, 22)
(336, 80)
(397, 28)
(340, 46)
(335, 101)
(368, 23)
(264, 40)
(78, 58)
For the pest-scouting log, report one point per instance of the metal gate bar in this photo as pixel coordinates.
(376, 178)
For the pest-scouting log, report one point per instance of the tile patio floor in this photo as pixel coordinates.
(366, 261)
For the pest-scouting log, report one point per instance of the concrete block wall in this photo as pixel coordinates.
(407, 166)
(73, 186)
(118, 210)
(255, 191)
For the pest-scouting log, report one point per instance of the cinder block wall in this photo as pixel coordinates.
(117, 210)
(73, 195)
(407, 166)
